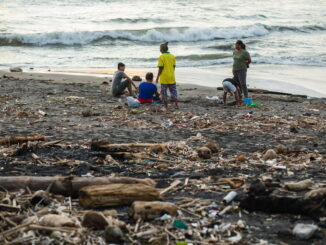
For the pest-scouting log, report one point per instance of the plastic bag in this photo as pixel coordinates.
(132, 102)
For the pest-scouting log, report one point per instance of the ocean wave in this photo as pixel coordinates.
(154, 35)
(138, 20)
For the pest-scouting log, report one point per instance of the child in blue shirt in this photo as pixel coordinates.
(147, 90)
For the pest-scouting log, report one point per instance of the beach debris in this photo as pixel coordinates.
(204, 152)
(304, 231)
(15, 69)
(270, 154)
(94, 220)
(66, 186)
(116, 194)
(21, 139)
(57, 220)
(318, 193)
(281, 149)
(212, 146)
(229, 197)
(299, 186)
(152, 210)
(241, 158)
(41, 197)
(113, 234)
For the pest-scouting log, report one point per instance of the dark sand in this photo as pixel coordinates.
(79, 109)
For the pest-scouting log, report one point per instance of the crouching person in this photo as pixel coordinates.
(233, 88)
(121, 82)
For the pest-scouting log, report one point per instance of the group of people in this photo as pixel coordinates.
(148, 92)
(237, 85)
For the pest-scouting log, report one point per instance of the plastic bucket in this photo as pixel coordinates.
(247, 101)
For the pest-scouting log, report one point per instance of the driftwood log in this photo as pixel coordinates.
(116, 194)
(67, 186)
(152, 210)
(21, 139)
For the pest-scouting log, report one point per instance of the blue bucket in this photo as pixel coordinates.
(247, 101)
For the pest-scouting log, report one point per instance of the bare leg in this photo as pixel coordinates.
(131, 93)
(165, 102)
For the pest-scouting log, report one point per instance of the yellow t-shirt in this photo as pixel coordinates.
(167, 61)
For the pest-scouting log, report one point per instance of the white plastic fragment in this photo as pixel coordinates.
(304, 231)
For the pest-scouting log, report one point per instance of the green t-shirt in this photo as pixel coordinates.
(239, 59)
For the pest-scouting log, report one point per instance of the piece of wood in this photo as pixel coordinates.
(67, 186)
(152, 210)
(116, 194)
(21, 139)
(174, 184)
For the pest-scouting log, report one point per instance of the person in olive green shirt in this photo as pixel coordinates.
(241, 61)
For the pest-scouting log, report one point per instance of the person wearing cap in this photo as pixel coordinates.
(166, 75)
(231, 86)
(147, 90)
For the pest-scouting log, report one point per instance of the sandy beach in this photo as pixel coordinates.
(74, 110)
(278, 78)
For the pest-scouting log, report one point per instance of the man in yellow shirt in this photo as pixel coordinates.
(166, 76)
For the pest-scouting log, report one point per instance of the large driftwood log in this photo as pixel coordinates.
(116, 194)
(21, 139)
(152, 210)
(67, 186)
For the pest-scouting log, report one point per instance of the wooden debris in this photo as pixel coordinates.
(56, 220)
(116, 194)
(152, 210)
(67, 186)
(298, 186)
(21, 139)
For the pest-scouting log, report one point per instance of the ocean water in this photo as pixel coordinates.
(70, 34)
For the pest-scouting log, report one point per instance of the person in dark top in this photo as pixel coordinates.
(231, 86)
(147, 90)
(121, 81)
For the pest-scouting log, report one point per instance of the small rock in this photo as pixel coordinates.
(22, 114)
(241, 158)
(281, 149)
(204, 152)
(16, 69)
(105, 82)
(94, 220)
(270, 154)
(113, 234)
(212, 146)
(87, 113)
(304, 231)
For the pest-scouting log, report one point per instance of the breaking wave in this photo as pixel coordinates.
(177, 34)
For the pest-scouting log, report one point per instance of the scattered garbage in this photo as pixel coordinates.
(99, 172)
(304, 231)
(132, 102)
